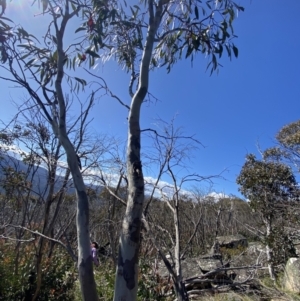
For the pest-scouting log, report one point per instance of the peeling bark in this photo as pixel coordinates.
(127, 266)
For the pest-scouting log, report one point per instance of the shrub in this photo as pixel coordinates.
(18, 277)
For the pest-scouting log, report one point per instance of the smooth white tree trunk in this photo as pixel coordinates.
(269, 250)
(85, 262)
(126, 283)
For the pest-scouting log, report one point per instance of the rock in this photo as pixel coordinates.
(291, 280)
(208, 263)
(189, 268)
(232, 241)
(256, 248)
(297, 246)
(193, 266)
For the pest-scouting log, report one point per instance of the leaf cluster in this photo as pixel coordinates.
(266, 183)
(187, 28)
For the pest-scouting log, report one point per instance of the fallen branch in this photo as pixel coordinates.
(213, 290)
(216, 271)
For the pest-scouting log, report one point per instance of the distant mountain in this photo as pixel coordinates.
(37, 175)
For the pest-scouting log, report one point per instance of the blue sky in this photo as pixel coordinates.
(250, 99)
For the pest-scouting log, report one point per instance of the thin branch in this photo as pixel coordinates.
(172, 137)
(17, 239)
(192, 237)
(46, 237)
(104, 86)
(110, 191)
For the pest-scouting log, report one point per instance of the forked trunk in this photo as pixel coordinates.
(127, 267)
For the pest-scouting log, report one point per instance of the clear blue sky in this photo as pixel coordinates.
(250, 99)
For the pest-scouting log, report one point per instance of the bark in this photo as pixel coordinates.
(269, 250)
(180, 289)
(127, 267)
(178, 285)
(85, 262)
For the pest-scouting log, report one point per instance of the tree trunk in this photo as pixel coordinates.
(85, 262)
(127, 267)
(180, 289)
(129, 243)
(269, 250)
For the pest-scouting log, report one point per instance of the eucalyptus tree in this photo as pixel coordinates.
(39, 68)
(288, 146)
(269, 186)
(142, 36)
(287, 150)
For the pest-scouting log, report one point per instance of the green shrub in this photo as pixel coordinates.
(105, 279)
(59, 278)
(18, 277)
(14, 274)
(151, 286)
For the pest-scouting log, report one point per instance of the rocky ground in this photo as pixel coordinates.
(235, 270)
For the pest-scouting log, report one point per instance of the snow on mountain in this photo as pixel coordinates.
(159, 189)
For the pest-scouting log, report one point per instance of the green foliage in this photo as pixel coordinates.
(58, 278)
(272, 189)
(151, 286)
(18, 275)
(13, 284)
(187, 28)
(105, 280)
(266, 183)
(38, 59)
(282, 244)
(288, 147)
(289, 135)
